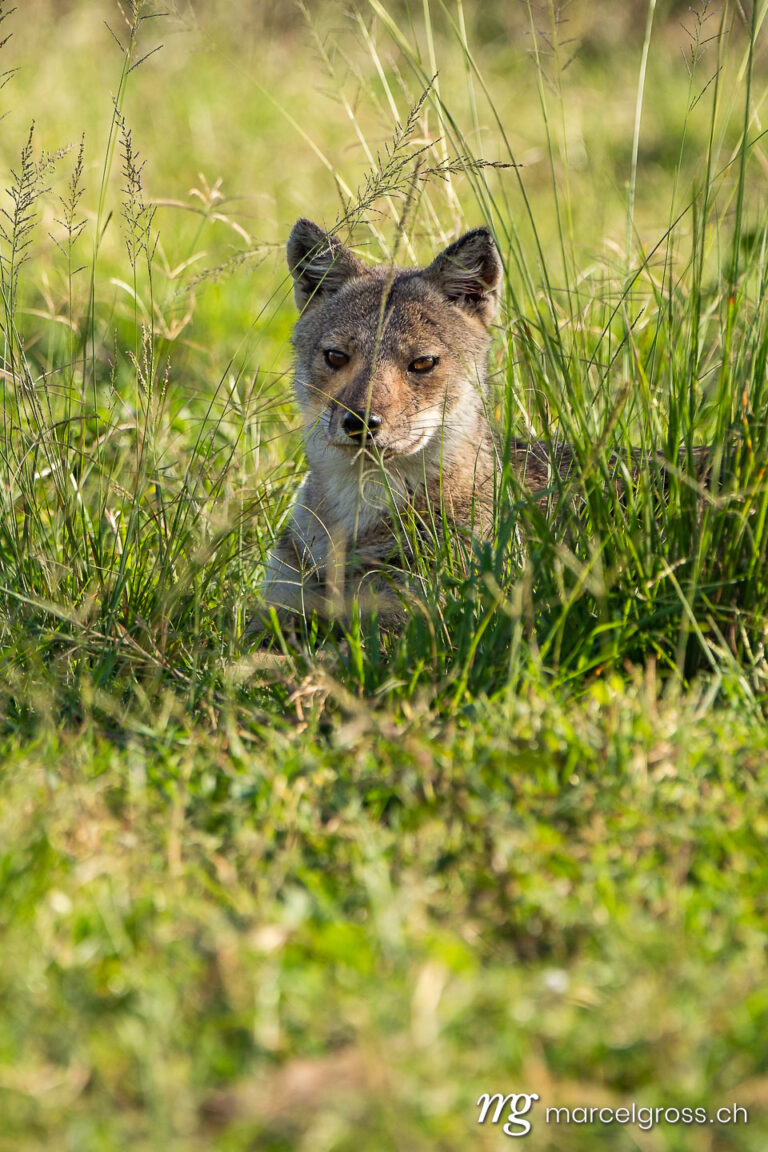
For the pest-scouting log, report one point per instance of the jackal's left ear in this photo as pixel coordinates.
(468, 272)
(319, 263)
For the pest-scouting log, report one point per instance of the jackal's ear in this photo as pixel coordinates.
(468, 272)
(319, 264)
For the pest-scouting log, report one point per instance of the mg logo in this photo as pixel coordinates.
(517, 1106)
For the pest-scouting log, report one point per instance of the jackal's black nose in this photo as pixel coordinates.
(357, 426)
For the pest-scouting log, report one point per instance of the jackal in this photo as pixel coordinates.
(390, 371)
(390, 377)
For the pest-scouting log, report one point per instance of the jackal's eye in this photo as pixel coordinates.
(422, 364)
(334, 358)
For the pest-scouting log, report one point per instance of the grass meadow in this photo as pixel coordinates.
(322, 891)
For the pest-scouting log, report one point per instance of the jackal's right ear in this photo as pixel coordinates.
(319, 264)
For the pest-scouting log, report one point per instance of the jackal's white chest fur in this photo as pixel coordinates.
(349, 496)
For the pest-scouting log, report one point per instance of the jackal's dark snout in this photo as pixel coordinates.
(358, 426)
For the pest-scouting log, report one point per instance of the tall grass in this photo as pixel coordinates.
(636, 360)
(117, 542)
(136, 517)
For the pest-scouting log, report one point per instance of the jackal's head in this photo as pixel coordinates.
(388, 358)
